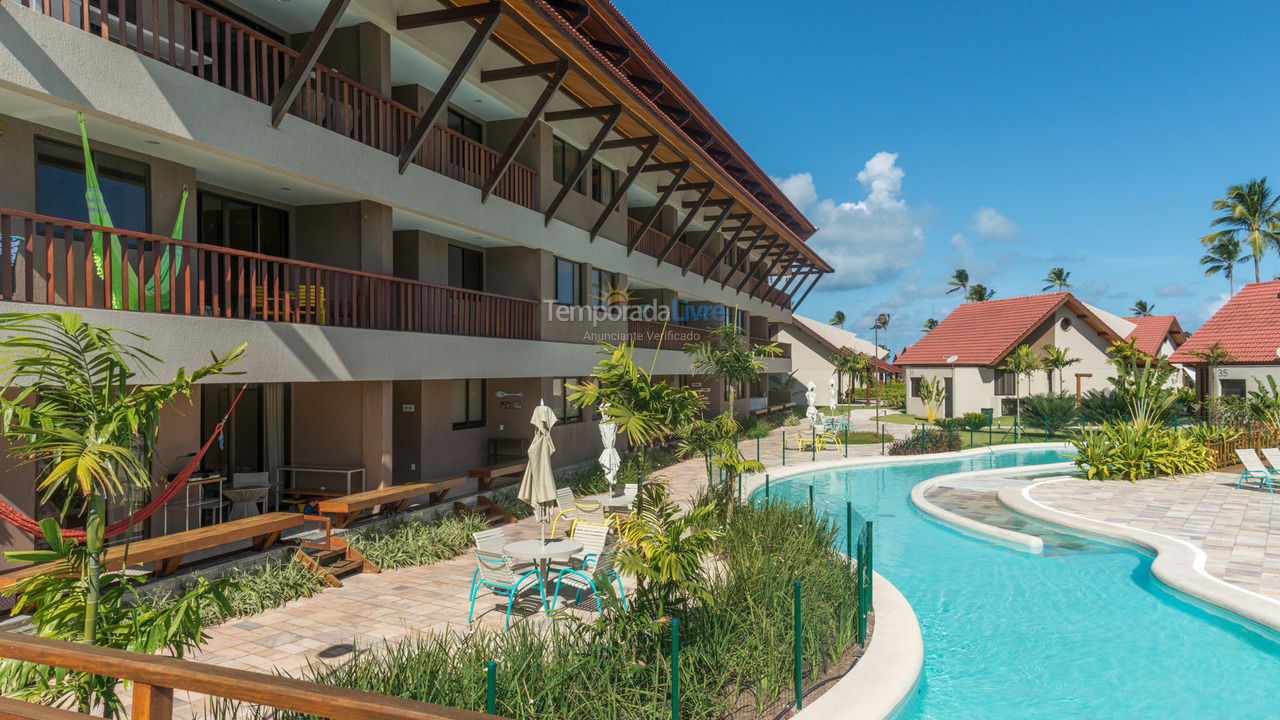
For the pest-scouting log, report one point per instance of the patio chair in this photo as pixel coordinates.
(594, 571)
(593, 539)
(589, 514)
(1254, 469)
(311, 300)
(804, 443)
(566, 509)
(1272, 456)
(491, 541)
(495, 572)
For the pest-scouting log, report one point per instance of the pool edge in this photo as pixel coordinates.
(1178, 563)
(886, 677)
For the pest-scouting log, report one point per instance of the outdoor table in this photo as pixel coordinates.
(244, 501)
(611, 500)
(541, 553)
(347, 473)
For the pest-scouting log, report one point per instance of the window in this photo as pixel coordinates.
(1232, 388)
(466, 268)
(468, 404)
(568, 412)
(915, 387)
(1005, 382)
(564, 160)
(603, 284)
(243, 225)
(464, 125)
(60, 185)
(568, 282)
(601, 182)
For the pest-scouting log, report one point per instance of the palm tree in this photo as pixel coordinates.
(728, 356)
(1222, 257)
(1022, 362)
(979, 293)
(1251, 210)
(1056, 359)
(959, 281)
(1212, 357)
(837, 318)
(1142, 309)
(1057, 278)
(929, 324)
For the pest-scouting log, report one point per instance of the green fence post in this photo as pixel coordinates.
(813, 443)
(870, 564)
(675, 668)
(880, 429)
(757, 449)
(848, 529)
(861, 579)
(491, 689)
(810, 498)
(846, 441)
(991, 429)
(799, 675)
(784, 447)
(922, 448)
(739, 487)
(766, 487)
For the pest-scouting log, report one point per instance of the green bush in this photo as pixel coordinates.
(865, 437)
(976, 420)
(1135, 451)
(254, 590)
(892, 394)
(735, 651)
(1052, 413)
(935, 441)
(409, 543)
(757, 427)
(952, 425)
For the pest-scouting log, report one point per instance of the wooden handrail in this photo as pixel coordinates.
(249, 255)
(152, 673)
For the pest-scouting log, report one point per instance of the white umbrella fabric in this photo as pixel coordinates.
(811, 399)
(609, 459)
(538, 486)
(831, 386)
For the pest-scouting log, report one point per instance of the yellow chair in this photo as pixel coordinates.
(311, 299)
(804, 443)
(260, 305)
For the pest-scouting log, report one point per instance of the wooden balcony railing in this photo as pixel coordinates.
(653, 241)
(53, 261)
(156, 677)
(204, 42)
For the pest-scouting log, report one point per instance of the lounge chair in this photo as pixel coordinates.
(1272, 456)
(1254, 469)
(495, 571)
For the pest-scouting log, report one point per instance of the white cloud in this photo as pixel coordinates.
(867, 241)
(1173, 290)
(991, 225)
(1209, 307)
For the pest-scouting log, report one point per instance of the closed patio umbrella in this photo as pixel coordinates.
(811, 399)
(538, 486)
(610, 461)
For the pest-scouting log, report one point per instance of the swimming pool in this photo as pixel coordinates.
(1080, 631)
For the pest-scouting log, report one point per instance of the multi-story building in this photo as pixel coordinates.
(398, 205)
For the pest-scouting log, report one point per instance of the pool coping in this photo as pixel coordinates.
(884, 680)
(1178, 564)
(983, 531)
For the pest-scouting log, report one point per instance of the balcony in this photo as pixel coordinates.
(654, 242)
(72, 264)
(206, 43)
(663, 336)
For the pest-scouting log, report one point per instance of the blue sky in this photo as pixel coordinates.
(1004, 137)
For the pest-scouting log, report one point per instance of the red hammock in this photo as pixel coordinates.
(17, 518)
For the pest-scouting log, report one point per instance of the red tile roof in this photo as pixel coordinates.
(1150, 332)
(982, 333)
(878, 363)
(1248, 326)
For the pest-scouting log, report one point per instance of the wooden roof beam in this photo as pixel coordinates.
(662, 200)
(646, 152)
(560, 72)
(678, 233)
(706, 238)
(448, 15)
(608, 123)
(306, 60)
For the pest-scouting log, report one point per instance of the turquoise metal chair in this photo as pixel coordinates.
(595, 568)
(1254, 469)
(494, 571)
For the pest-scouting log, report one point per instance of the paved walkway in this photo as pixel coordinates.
(1238, 529)
(398, 604)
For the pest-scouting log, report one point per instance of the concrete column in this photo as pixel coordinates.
(376, 433)
(375, 238)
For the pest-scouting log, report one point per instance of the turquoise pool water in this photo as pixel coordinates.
(1080, 632)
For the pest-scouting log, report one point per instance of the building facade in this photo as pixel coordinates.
(1247, 327)
(421, 218)
(812, 346)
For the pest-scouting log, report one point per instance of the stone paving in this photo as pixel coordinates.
(1238, 529)
(399, 604)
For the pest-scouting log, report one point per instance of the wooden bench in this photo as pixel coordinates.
(487, 474)
(167, 551)
(347, 508)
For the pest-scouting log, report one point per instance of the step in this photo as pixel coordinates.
(345, 566)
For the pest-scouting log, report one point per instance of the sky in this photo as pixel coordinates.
(1002, 137)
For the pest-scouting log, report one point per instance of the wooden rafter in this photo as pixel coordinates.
(646, 152)
(522, 71)
(816, 277)
(608, 122)
(461, 13)
(469, 54)
(729, 245)
(559, 70)
(759, 241)
(306, 60)
(706, 239)
(582, 112)
(707, 188)
(755, 267)
(683, 168)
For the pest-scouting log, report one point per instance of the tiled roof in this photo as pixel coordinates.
(1149, 332)
(821, 331)
(982, 333)
(881, 365)
(1248, 326)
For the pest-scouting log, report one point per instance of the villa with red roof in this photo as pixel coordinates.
(1248, 327)
(812, 345)
(967, 349)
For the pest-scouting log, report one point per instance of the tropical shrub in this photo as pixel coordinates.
(892, 394)
(253, 590)
(1229, 411)
(976, 420)
(1264, 403)
(1129, 451)
(1099, 406)
(950, 424)
(410, 543)
(790, 419)
(934, 441)
(1053, 412)
(933, 394)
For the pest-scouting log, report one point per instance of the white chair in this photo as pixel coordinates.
(594, 571)
(593, 539)
(491, 541)
(495, 572)
(588, 514)
(1254, 469)
(565, 508)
